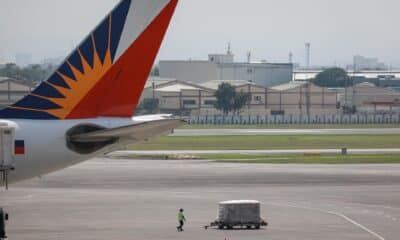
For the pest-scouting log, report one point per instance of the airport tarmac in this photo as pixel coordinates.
(135, 199)
(239, 132)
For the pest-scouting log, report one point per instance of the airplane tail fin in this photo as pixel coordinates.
(105, 75)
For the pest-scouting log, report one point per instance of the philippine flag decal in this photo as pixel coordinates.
(19, 147)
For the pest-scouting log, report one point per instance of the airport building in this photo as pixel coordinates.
(23, 59)
(293, 102)
(304, 75)
(368, 98)
(11, 90)
(223, 67)
(294, 98)
(365, 63)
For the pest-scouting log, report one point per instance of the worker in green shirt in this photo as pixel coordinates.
(181, 220)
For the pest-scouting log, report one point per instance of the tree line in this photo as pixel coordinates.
(34, 72)
(333, 78)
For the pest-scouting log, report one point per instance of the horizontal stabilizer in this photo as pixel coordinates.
(135, 133)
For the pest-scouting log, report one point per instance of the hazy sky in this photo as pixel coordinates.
(337, 30)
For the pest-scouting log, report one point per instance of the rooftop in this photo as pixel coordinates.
(214, 84)
(15, 85)
(157, 81)
(365, 84)
(288, 86)
(177, 87)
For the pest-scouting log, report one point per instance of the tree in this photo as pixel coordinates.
(225, 95)
(229, 100)
(333, 77)
(148, 106)
(9, 70)
(241, 100)
(34, 73)
(155, 72)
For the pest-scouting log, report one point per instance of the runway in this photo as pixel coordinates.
(239, 132)
(134, 199)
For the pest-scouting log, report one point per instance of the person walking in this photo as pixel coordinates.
(181, 220)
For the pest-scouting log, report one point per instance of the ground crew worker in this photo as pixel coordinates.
(181, 220)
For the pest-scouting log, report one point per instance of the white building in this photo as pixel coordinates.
(51, 62)
(364, 63)
(223, 67)
(23, 59)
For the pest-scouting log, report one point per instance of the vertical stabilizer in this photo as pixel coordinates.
(105, 75)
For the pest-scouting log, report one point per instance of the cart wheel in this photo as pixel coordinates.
(220, 226)
(248, 226)
(230, 227)
(257, 226)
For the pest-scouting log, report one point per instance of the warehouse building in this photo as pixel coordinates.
(223, 67)
(12, 90)
(368, 98)
(184, 98)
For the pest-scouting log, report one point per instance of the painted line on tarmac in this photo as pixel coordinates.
(337, 214)
(358, 225)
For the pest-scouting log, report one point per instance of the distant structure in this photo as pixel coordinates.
(364, 63)
(51, 62)
(308, 54)
(223, 67)
(249, 57)
(229, 52)
(23, 59)
(11, 90)
(2, 59)
(290, 57)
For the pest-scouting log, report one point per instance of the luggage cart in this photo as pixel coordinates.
(231, 225)
(239, 213)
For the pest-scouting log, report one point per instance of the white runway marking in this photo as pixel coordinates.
(341, 215)
(358, 225)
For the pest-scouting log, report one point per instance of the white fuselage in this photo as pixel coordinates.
(46, 147)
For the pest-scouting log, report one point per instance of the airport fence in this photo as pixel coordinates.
(298, 119)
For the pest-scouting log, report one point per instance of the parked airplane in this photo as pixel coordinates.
(85, 108)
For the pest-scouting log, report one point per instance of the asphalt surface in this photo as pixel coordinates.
(238, 132)
(131, 199)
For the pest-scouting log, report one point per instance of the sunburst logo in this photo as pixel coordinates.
(106, 74)
(81, 79)
(61, 94)
(83, 82)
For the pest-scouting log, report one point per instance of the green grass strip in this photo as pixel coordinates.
(301, 159)
(270, 142)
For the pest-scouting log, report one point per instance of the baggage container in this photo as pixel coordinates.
(239, 213)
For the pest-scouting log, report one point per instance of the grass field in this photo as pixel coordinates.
(301, 159)
(270, 142)
(284, 159)
(291, 126)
